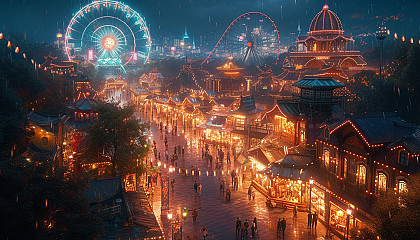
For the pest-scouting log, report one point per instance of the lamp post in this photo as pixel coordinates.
(59, 36)
(349, 212)
(311, 182)
(381, 34)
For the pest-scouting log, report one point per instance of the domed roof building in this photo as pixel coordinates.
(326, 44)
(325, 50)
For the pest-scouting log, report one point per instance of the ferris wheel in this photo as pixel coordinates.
(108, 33)
(251, 39)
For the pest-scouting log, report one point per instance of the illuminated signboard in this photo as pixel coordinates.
(90, 55)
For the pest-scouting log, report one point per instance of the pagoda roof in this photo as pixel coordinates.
(318, 82)
(229, 66)
(291, 75)
(247, 106)
(84, 105)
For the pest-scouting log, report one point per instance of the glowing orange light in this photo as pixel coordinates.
(59, 35)
(109, 43)
(1, 35)
(249, 44)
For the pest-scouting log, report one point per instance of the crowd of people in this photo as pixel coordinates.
(244, 230)
(215, 159)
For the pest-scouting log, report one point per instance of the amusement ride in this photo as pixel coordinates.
(109, 34)
(250, 39)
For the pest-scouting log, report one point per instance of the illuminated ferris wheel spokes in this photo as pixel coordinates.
(109, 33)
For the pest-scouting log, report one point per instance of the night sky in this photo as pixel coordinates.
(40, 19)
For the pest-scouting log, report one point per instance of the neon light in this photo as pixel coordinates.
(90, 55)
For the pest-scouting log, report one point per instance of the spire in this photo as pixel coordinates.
(186, 34)
(298, 29)
(193, 45)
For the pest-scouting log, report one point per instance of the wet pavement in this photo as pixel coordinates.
(214, 212)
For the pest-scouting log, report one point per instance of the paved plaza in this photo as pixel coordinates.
(213, 211)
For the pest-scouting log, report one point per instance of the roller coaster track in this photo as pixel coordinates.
(232, 24)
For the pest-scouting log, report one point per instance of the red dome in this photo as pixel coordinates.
(326, 20)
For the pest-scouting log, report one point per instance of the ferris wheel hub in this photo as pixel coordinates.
(109, 43)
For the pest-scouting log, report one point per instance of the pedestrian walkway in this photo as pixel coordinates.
(213, 211)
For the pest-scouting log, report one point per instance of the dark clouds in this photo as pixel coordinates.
(41, 18)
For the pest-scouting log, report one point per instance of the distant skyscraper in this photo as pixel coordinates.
(186, 37)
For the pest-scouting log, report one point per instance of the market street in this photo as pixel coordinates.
(213, 211)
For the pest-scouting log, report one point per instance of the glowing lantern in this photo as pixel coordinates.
(32, 61)
(403, 38)
(46, 203)
(411, 40)
(184, 212)
(388, 32)
(17, 50)
(24, 55)
(1, 35)
(9, 44)
(395, 35)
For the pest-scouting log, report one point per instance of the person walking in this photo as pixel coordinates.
(283, 226)
(314, 220)
(246, 225)
(249, 192)
(199, 189)
(278, 228)
(309, 220)
(227, 195)
(195, 187)
(238, 225)
(255, 223)
(233, 176)
(295, 212)
(205, 232)
(222, 189)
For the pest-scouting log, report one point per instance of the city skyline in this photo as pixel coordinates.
(204, 18)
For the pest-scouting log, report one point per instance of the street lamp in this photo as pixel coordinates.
(381, 34)
(349, 212)
(169, 215)
(59, 35)
(311, 182)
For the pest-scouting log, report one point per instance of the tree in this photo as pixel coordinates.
(398, 215)
(115, 137)
(38, 202)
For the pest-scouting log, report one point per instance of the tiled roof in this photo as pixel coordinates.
(411, 143)
(210, 92)
(42, 119)
(309, 82)
(376, 128)
(290, 109)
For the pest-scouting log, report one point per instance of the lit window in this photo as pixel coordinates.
(345, 167)
(403, 158)
(382, 182)
(361, 174)
(402, 186)
(327, 158)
